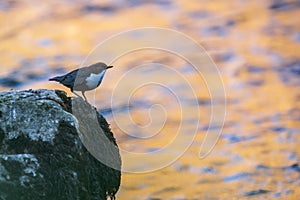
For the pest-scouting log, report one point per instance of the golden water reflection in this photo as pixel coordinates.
(256, 47)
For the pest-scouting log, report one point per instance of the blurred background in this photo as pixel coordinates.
(256, 47)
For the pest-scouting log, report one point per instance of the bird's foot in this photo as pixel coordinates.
(83, 98)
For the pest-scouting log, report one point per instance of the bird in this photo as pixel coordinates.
(83, 79)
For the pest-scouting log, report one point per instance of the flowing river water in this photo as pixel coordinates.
(153, 98)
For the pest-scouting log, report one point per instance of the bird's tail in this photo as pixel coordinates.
(57, 78)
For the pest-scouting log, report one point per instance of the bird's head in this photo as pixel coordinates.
(98, 67)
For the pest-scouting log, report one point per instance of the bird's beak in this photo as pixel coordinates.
(109, 67)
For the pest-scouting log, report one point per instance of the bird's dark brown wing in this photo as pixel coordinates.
(75, 80)
(67, 80)
(80, 79)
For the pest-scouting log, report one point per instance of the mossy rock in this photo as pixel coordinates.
(42, 155)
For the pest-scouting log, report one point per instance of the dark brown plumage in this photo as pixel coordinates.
(83, 79)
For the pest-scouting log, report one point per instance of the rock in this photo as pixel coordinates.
(55, 147)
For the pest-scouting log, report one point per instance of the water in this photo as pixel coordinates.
(256, 48)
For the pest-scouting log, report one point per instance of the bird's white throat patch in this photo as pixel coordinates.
(95, 79)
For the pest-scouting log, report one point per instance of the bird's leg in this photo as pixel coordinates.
(84, 96)
(76, 94)
(79, 95)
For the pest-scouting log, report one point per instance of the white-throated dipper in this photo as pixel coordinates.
(83, 79)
